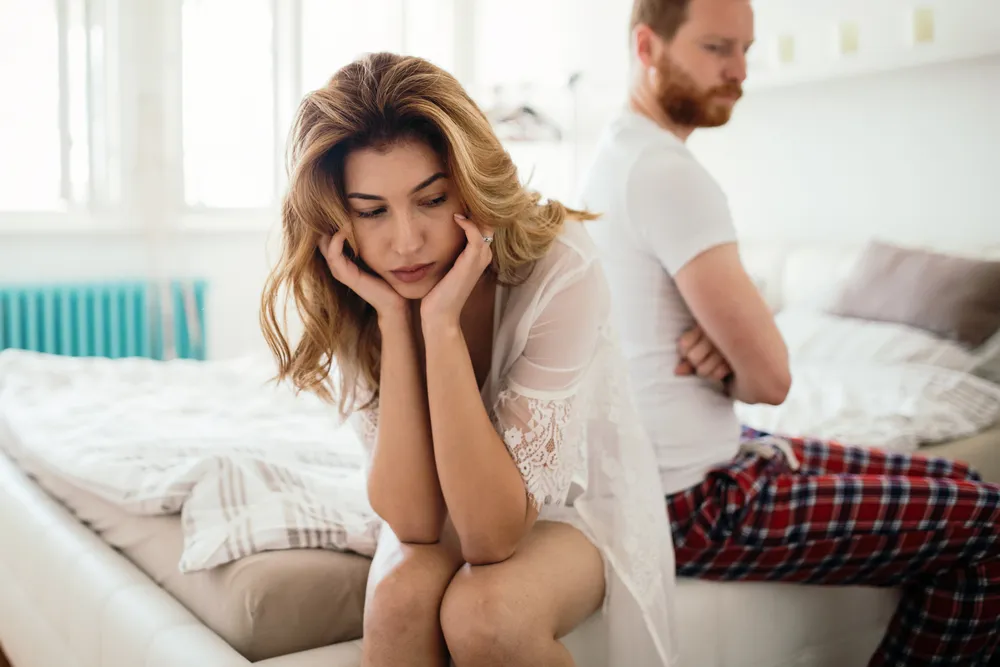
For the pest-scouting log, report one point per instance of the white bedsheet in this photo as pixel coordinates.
(249, 465)
(892, 406)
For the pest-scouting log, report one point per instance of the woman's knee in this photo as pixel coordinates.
(482, 623)
(407, 596)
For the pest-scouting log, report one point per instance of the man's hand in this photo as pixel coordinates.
(699, 356)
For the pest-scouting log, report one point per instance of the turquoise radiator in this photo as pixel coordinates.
(106, 319)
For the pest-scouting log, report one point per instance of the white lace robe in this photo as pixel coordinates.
(556, 394)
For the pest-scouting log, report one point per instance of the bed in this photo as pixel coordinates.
(98, 568)
(111, 595)
(88, 584)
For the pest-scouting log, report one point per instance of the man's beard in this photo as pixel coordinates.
(686, 104)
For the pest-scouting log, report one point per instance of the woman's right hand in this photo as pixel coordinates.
(385, 300)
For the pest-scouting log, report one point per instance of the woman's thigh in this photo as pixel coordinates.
(552, 583)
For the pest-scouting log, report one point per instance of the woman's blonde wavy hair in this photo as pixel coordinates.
(375, 101)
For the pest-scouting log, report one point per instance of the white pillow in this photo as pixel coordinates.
(813, 336)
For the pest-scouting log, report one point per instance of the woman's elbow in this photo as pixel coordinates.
(489, 548)
(414, 532)
(487, 554)
(409, 526)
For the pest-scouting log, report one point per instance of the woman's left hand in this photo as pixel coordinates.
(444, 303)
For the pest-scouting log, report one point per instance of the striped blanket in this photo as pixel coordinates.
(249, 465)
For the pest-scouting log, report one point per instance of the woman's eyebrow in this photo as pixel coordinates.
(423, 184)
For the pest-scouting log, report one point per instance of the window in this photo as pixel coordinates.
(228, 99)
(335, 32)
(107, 106)
(245, 65)
(46, 47)
(429, 31)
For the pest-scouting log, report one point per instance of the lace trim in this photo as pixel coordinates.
(366, 423)
(537, 446)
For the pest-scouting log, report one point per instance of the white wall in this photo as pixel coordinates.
(906, 154)
(911, 156)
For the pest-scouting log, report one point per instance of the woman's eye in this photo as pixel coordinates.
(370, 214)
(437, 201)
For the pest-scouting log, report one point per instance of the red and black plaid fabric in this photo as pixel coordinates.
(858, 516)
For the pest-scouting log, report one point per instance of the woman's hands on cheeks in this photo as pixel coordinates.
(443, 304)
(378, 293)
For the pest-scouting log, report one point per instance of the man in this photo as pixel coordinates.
(697, 336)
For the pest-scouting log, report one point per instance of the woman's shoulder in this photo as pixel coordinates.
(576, 236)
(572, 252)
(570, 268)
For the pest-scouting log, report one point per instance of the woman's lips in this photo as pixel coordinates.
(412, 274)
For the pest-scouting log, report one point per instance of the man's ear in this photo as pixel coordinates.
(647, 44)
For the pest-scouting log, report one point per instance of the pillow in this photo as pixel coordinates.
(265, 605)
(956, 298)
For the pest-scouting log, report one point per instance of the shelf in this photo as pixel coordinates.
(842, 38)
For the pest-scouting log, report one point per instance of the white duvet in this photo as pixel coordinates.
(250, 466)
(875, 384)
(898, 407)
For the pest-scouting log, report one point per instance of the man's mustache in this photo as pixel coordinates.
(733, 89)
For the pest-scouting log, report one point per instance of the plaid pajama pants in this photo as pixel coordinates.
(857, 516)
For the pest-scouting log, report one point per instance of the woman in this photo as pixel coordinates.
(467, 322)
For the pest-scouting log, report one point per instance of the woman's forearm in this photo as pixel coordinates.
(403, 485)
(482, 486)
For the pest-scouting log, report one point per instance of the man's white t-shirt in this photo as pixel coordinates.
(659, 210)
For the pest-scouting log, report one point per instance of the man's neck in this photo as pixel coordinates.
(642, 102)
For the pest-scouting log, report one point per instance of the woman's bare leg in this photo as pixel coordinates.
(406, 584)
(513, 613)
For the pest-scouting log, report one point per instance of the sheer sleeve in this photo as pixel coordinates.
(533, 410)
(563, 408)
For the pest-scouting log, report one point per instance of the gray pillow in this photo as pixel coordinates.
(957, 298)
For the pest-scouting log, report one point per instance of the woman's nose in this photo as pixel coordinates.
(407, 237)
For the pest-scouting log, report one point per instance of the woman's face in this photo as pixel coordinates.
(403, 206)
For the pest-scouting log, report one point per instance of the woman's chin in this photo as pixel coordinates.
(414, 291)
